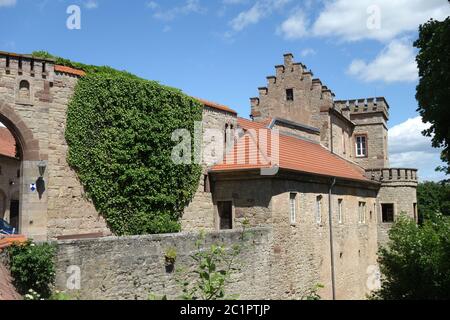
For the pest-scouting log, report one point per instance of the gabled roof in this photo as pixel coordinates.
(295, 154)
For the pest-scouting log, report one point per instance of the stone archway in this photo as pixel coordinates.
(29, 146)
(32, 212)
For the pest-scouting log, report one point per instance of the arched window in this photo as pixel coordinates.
(24, 90)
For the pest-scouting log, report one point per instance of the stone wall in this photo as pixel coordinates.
(199, 214)
(342, 137)
(301, 251)
(403, 196)
(133, 267)
(69, 211)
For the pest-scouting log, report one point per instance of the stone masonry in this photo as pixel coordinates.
(287, 258)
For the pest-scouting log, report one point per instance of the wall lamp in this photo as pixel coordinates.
(42, 165)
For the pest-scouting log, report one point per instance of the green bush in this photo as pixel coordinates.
(32, 268)
(119, 130)
(416, 262)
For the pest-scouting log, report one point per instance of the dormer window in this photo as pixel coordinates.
(289, 94)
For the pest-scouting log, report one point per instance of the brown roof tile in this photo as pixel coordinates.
(69, 70)
(294, 154)
(216, 105)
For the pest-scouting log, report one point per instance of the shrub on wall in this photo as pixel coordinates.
(119, 130)
(32, 268)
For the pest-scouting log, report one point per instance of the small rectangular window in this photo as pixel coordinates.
(225, 210)
(362, 212)
(319, 209)
(387, 212)
(206, 184)
(290, 94)
(361, 146)
(340, 210)
(415, 212)
(344, 147)
(292, 207)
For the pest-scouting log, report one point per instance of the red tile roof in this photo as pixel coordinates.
(69, 70)
(7, 143)
(294, 154)
(216, 105)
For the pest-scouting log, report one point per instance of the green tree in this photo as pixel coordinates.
(433, 91)
(433, 197)
(415, 264)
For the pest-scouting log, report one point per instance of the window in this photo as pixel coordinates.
(225, 210)
(290, 94)
(344, 147)
(340, 210)
(362, 212)
(387, 211)
(415, 212)
(206, 184)
(24, 90)
(361, 146)
(292, 207)
(319, 209)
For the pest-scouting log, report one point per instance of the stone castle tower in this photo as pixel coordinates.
(355, 130)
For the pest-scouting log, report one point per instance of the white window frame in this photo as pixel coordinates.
(340, 211)
(293, 207)
(319, 209)
(361, 148)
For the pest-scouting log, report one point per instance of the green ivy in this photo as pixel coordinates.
(32, 268)
(119, 130)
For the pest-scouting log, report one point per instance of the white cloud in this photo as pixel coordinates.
(353, 20)
(231, 2)
(295, 26)
(260, 10)
(408, 148)
(7, 3)
(188, 7)
(308, 52)
(395, 63)
(152, 5)
(91, 4)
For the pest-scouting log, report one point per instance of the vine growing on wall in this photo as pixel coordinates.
(119, 130)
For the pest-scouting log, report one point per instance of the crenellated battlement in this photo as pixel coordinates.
(392, 175)
(26, 65)
(364, 106)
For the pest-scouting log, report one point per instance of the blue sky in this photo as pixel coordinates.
(223, 50)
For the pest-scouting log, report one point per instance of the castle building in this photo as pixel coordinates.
(302, 158)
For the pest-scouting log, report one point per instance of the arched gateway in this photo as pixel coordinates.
(34, 94)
